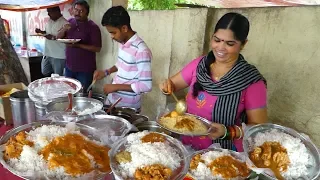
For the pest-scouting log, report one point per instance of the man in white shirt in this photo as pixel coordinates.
(55, 52)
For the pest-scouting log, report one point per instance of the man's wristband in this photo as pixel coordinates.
(106, 72)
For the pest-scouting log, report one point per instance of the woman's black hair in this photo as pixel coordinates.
(84, 4)
(239, 25)
(116, 16)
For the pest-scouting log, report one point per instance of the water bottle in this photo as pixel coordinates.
(17, 48)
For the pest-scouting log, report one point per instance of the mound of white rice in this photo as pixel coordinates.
(203, 172)
(300, 158)
(144, 154)
(30, 163)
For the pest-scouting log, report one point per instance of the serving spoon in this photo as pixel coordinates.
(70, 106)
(181, 106)
(113, 105)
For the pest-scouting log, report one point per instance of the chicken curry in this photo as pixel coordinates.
(72, 151)
(271, 155)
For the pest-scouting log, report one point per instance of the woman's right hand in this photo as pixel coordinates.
(98, 74)
(167, 86)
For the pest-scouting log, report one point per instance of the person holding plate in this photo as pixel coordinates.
(54, 58)
(81, 56)
(224, 87)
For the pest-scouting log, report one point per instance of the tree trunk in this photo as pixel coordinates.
(11, 70)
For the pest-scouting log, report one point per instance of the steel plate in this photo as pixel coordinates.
(206, 122)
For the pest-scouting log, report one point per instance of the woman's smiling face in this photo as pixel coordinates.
(224, 46)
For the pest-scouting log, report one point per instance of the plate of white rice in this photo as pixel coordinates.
(300, 160)
(217, 163)
(32, 163)
(139, 154)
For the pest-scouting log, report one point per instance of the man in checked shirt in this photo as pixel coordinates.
(133, 67)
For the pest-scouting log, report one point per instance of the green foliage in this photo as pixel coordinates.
(154, 4)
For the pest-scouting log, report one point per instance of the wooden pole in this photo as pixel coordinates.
(11, 70)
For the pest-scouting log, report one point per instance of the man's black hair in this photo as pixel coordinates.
(116, 16)
(84, 4)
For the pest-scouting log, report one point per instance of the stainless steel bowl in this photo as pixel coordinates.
(178, 174)
(79, 103)
(153, 126)
(68, 116)
(132, 118)
(250, 133)
(52, 93)
(97, 96)
(84, 129)
(127, 110)
(139, 118)
(122, 114)
(118, 125)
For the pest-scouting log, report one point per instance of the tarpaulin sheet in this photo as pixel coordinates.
(29, 5)
(254, 3)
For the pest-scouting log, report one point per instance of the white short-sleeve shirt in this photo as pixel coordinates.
(54, 48)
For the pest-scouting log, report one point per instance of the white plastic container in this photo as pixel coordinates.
(33, 53)
(24, 52)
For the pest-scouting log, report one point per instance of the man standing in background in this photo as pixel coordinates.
(133, 68)
(55, 52)
(81, 57)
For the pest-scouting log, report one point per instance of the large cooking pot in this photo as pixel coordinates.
(97, 96)
(127, 110)
(81, 105)
(22, 107)
(132, 118)
(46, 90)
(153, 126)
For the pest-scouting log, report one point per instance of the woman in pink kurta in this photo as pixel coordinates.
(223, 87)
(254, 97)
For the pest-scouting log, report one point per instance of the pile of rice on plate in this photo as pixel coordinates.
(289, 156)
(212, 164)
(147, 155)
(55, 152)
(183, 124)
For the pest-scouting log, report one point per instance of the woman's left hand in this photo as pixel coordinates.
(217, 131)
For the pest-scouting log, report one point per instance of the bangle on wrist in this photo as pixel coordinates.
(225, 132)
(240, 131)
(232, 132)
